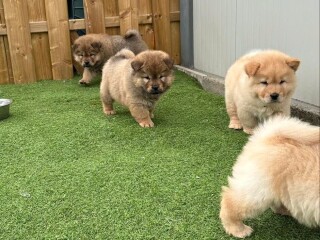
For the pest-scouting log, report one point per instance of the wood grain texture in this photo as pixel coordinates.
(111, 10)
(175, 30)
(6, 75)
(40, 40)
(161, 24)
(20, 46)
(94, 16)
(41, 49)
(129, 15)
(146, 28)
(59, 39)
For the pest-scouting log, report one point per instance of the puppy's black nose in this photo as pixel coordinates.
(274, 96)
(155, 88)
(86, 64)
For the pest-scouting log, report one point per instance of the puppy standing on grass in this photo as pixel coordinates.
(136, 82)
(278, 168)
(93, 50)
(259, 85)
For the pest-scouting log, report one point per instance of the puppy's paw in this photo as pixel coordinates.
(235, 124)
(248, 131)
(84, 82)
(109, 112)
(146, 124)
(240, 231)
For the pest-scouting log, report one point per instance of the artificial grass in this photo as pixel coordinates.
(69, 172)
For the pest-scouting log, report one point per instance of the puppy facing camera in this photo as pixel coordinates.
(92, 51)
(259, 85)
(137, 82)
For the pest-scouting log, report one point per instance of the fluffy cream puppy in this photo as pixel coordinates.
(259, 85)
(279, 169)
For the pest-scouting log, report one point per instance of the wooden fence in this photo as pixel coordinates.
(36, 35)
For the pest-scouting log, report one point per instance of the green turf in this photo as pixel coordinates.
(69, 172)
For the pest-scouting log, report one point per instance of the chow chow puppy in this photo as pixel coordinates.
(93, 50)
(278, 169)
(259, 85)
(136, 81)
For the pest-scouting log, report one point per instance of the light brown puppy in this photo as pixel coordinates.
(279, 169)
(136, 82)
(259, 85)
(93, 50)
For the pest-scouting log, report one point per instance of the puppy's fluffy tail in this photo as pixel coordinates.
(290, 128)
(122, 54)
(125, 53)
(132, 34)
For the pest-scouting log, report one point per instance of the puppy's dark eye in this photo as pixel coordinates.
(147, 77)
(282, 81)
(264, 83)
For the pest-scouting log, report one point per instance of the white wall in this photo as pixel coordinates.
(226, 29)
(214, 25)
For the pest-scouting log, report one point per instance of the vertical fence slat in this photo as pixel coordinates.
(46, 52)
(161, 23)
(4, 75)
(40, 41)
(4, 71)
(93, 11)
(59, 39)
(8, 59)
(146, 30)
(175, 33)
(18, 30)
(128, 13)
(111, 9)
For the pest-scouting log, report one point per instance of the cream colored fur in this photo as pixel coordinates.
(252, 81)
(279, 169)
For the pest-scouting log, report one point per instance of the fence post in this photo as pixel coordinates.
(161, 23)
(6, 75)
(59, 39)
(146, 29)
(40, 41)
(175, 30)
(94, 16)
(129, 16)
(19, 36)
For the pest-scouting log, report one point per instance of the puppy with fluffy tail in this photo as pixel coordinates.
(137, 82)
(93, 50)
(278, 169)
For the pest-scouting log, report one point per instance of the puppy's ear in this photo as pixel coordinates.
(293, 63)
(136, 65)
(96, 45)
(169, 62)
(251, 68)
